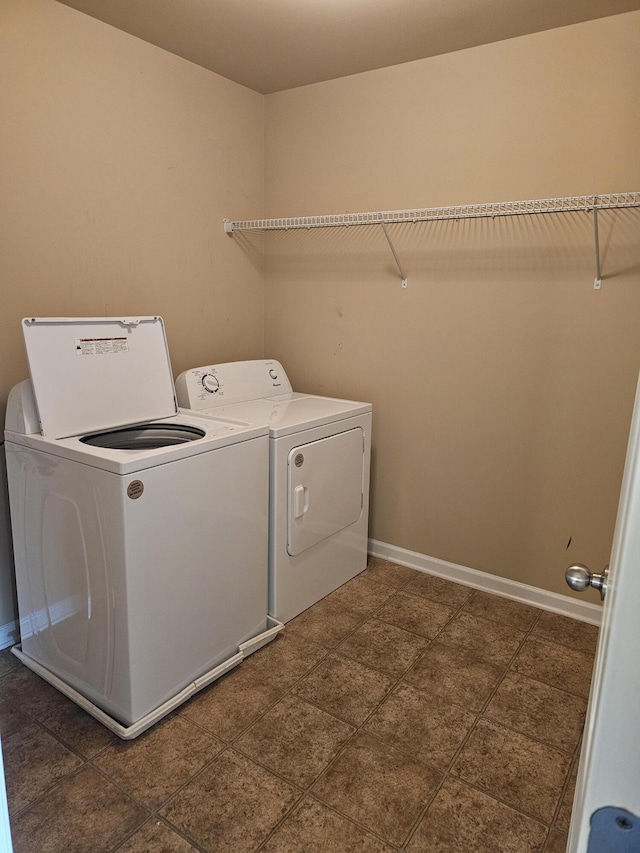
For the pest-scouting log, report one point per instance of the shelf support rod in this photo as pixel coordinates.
(395, 255)
(597, 284)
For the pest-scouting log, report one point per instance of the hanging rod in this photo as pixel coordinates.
(428, 214)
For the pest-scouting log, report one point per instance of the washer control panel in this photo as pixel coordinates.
(233, 382)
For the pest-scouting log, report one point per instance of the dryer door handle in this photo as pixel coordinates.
(300, 501)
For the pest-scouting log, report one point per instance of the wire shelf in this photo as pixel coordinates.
(428, 214)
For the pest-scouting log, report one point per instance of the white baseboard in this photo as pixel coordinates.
(536, 597)
(9, 635)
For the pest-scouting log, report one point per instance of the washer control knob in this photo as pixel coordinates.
(273, 374)
(210, 383)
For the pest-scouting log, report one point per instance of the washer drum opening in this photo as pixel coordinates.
(145, 437)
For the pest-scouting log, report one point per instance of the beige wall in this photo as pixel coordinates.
(502, 383)
(119, 162)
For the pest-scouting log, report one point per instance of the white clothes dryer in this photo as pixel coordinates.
(140, 534)
(319, 460)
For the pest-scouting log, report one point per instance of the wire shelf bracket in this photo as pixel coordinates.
(569, 204)
(403, 276)
(597, 284)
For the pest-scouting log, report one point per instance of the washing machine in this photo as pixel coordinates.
(319, 458)
(140, 534)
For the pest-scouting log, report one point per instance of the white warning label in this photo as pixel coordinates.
(101, 346)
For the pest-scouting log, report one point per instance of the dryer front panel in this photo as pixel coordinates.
(324, 488)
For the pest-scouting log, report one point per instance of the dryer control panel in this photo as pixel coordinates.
(233, 382)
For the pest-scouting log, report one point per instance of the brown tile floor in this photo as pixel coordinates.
(402, 712)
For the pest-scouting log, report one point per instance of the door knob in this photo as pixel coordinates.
(579, 578)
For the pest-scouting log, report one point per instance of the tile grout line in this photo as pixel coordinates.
(228, 747)
(310, 795)
(289, 692)
(334, 651)
(550, 827)
(360, 728)
(574, 763)
(357, 729)
(85, 761)
(478, 716)
(159, 820)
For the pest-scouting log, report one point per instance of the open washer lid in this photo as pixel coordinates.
(98, 373)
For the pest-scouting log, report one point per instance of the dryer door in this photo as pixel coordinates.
(324, 488)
